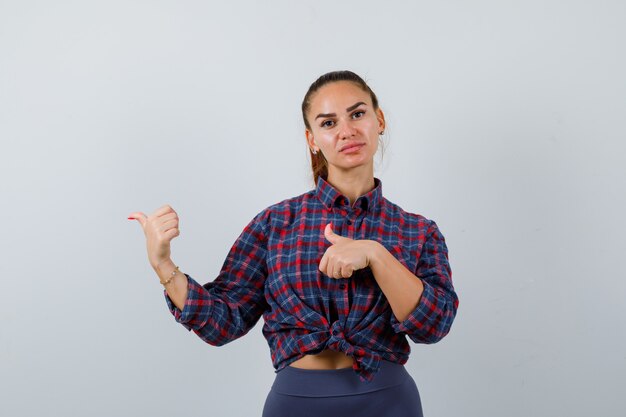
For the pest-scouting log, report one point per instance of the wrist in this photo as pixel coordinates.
(165, 266)
(374, 252)
(167, 271)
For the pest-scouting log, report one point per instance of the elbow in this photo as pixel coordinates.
(214, 339)
(440, 327)
(215, 335)
(433, 335)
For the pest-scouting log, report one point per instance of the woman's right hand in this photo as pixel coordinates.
(160, 228)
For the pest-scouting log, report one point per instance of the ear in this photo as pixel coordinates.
(381, 119)
(309, 138)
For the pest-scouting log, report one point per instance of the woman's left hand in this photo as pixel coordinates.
(345, 255)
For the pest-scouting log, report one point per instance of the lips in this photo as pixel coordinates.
(351, 145)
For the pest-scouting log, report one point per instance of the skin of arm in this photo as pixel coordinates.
(401, 287)
(177, 289)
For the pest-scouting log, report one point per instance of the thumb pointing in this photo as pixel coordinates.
(138, 216)
(329, 234)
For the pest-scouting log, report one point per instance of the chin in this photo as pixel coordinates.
(356, 164)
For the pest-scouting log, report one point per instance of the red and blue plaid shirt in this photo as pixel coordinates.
(272, 270)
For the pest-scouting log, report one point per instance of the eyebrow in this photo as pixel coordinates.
(354, 106)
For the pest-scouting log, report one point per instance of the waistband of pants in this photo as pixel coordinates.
(336, 382)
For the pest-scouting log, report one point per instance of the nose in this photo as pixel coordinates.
(346, 130)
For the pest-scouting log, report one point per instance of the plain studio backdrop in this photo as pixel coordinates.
(505, 126)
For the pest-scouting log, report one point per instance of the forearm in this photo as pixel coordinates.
(401, 287)
(177, 288)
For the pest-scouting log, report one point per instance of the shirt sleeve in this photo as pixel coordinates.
(432, 319)
(228, 307)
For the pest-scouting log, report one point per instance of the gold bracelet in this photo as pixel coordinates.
(170, 278)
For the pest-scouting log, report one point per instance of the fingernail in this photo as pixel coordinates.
(130, 218)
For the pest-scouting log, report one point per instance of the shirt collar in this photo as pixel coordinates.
(330, 196)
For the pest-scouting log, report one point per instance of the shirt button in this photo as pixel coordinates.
(342, 286)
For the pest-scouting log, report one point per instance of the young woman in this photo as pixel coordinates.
(340, 274)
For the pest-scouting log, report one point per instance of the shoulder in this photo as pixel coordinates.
(406, 218)
(283, 212)
(291, 203)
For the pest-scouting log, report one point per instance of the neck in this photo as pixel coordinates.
(352, 183)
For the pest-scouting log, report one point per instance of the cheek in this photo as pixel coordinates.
(374, 147)
(325, 141)
(373, 126)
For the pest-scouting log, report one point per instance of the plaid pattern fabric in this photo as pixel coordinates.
(272, 270)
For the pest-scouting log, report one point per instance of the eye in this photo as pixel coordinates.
(324, 123)
(362, 112)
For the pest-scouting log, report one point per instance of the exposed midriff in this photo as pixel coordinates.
(327, 359)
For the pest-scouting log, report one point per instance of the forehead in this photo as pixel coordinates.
(338, 95)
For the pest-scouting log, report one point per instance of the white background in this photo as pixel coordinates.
(505, 126)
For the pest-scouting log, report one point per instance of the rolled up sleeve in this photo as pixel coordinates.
(432, 318)
(227, 308)
(196, 310)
